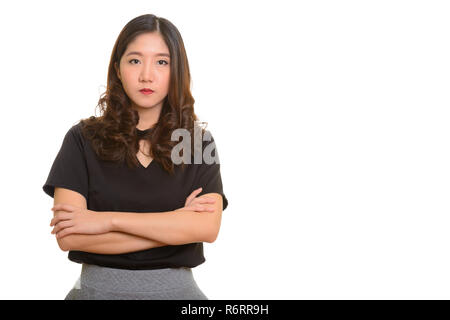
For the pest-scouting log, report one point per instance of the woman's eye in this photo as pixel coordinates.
(165, 62)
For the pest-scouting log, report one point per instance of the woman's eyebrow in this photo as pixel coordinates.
(140, 54)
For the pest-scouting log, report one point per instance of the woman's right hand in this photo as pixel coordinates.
(197, 204)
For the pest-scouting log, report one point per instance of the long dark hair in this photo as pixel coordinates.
(113, 134)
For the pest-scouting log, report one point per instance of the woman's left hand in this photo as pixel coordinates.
(69, 219)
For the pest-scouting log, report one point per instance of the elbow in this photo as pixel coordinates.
(211, 239)
(200, 236)
(213, 231)
(65, 244)
(212, 236)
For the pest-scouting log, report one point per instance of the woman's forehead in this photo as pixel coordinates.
(148, 44)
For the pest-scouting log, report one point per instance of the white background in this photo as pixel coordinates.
(331, 119)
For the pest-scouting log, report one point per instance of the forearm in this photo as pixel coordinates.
(171, 227)
(108, 243)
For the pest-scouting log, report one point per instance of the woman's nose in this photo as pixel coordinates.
(147, 73)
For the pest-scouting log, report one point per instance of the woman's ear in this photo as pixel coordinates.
(117, 71)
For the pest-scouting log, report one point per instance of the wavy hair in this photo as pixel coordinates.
(113, 134)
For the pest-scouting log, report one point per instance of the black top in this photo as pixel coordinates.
(109, 186)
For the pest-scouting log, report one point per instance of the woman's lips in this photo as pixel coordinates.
(146, 92)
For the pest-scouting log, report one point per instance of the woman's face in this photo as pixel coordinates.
(146, 64)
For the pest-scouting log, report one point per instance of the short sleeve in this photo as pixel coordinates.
(69, 169)
(208, 175)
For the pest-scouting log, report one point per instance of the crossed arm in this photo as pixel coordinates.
(78, 228)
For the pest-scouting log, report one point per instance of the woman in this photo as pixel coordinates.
(124, 206)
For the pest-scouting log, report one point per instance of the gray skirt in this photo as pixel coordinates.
(101, 283)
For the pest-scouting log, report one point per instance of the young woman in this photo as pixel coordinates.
(123, 208)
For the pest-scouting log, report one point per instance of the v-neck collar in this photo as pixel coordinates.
(142, 166)
(140, 134)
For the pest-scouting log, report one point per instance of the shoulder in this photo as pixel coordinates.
(208, 141)
(86, 129)
(76, 128)
(210, 153)
(74, 135)
(203, 134)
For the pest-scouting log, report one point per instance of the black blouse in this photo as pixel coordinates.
(109, 186)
